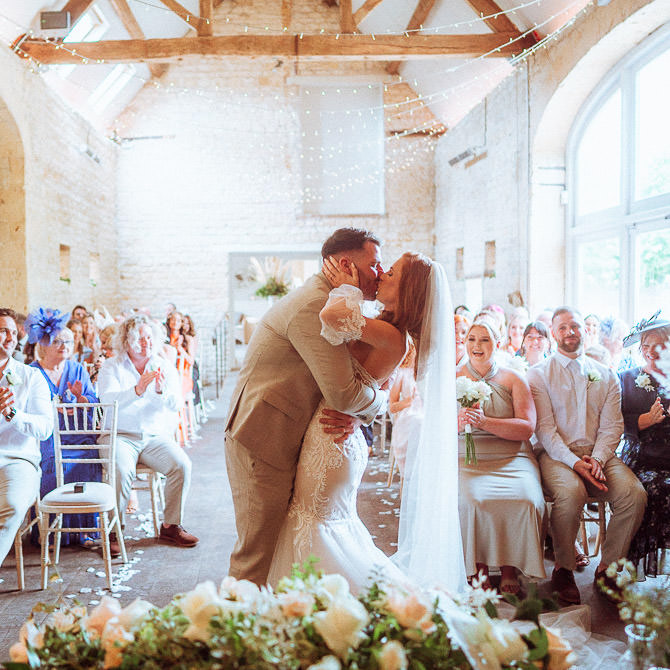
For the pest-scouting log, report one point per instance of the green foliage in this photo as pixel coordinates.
(530, 608)
(273, 287)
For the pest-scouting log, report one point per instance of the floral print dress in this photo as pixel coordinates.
(647, 454)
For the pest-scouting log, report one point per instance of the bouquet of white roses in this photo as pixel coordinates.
(468, 394)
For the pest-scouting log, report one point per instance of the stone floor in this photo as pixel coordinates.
(159, 571)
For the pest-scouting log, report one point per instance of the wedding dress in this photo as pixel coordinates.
(322, 518)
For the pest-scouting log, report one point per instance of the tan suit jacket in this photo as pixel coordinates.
(287, 369)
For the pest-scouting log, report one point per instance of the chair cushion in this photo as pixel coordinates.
(95, 493)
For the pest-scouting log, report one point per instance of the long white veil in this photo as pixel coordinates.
(430, 550)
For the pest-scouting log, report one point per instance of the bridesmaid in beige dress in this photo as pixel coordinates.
(501, 504)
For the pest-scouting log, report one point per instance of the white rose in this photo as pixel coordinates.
(296, 603)
(393, 656)
(334, 585)
(65, 620)
(506, 642)
(341, 624)
(245, 591)
(200, 605)
(326, 663)
(132, 614)
(101, 614)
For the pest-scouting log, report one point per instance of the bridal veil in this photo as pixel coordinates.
(429, 538)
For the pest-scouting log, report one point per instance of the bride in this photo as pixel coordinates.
(322, 519)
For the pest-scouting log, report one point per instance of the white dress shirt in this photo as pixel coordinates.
(33, 421)
(149, 414)
(575, 411)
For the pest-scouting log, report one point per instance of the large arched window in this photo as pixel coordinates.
(618, 259)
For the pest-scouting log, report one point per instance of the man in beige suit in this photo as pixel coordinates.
(579, 424)
(287, 369)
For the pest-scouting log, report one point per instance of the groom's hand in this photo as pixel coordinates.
(337, 424)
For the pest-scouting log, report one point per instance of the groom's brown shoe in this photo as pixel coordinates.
(563, 582)
(177, 535)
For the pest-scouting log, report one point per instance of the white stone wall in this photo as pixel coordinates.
(510, 196)
(224, 174)
(64, 197)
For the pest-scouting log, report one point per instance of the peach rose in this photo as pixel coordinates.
(296, 603)
(100, 615)
(393, 656)
(114, 640)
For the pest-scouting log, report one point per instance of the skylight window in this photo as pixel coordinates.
(90, 27)
(110, 86)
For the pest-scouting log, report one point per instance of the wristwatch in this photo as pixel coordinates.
(11, 414)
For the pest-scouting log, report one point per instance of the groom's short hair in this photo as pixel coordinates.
(347, 239)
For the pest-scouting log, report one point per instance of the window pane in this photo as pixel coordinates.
(598, 277)
(599, 159)
(652, 165)
(652, 254)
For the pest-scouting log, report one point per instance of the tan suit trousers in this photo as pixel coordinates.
(569, 492)
(261, 495)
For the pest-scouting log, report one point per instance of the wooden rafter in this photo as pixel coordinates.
(286, 13)
(347, 24)
(206, 24)
(365, 9)
(133, 28)
(499, 23)
(183, 13)
(76, 9)
(419, 17)
(349, 47)
(406, 113)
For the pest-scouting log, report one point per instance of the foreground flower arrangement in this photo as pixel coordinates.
(311, 621)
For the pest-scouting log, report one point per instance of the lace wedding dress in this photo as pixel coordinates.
(322, 519)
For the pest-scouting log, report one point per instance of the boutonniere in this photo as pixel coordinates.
(643, 381)
(593, 377)
(12, 378)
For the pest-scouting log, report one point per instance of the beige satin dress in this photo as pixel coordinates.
(500, 502)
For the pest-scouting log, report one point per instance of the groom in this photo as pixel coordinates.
(288, 368)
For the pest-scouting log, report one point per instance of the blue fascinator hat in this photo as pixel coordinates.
(652, 323)
(45, 323)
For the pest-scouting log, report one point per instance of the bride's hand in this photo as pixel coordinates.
(336, 276)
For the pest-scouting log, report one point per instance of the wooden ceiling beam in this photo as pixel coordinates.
(419, 17)
(206, 24)
(365, 9)
(76, 9)
(135, 31)
(499, 23)
(183, 13)
(286, 13)
(347, 24)
(349, 47)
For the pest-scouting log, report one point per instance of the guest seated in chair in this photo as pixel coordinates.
(26, 418)
(501, 504)
(68, 381)
(579, 424)
(535, 344)
(146, 387)
(647, 443)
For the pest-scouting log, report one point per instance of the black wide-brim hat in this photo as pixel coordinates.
(652, 323)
